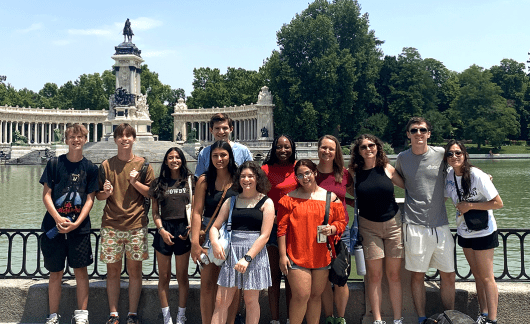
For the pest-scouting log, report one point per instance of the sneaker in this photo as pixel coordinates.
(330, 320)
(398, 321)
(53, 320)
(340, 320)
(287, 322)
(379, 322)
(113, 320)
(481, 319)
(80, 317)
(488, 321)
(181, 319)
(274, 322)
(133, 319)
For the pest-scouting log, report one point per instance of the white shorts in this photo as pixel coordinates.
(427, 247)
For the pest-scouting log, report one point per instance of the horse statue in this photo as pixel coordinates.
(127, 31)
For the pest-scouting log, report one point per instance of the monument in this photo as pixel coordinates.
(128, 104)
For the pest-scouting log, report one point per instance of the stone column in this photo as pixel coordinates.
(42, 133)
(95, 134)
(29, 133)
(1, 131)
(23, 129)
(50, 140)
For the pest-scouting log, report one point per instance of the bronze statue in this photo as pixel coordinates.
(127, 31)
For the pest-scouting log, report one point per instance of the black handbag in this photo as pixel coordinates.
(476, 220)
(340, 266)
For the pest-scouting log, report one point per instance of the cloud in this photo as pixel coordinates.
(61, 42)
(157, 53)
(141, 23)
(31, 28)
(85, 32)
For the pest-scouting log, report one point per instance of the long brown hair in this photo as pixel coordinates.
(338, 161)
(466, 166)
(357, 161)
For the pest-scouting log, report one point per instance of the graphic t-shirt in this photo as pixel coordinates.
(174, 199)
(70, 182)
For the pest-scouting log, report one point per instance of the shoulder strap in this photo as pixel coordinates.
(216, 211)
(191, 188)
(143, 171)
(457, 189)
(261, 202)
(54, 175)
(328, 202)
(232, 205)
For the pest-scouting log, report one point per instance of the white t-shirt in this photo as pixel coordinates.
(482, 189)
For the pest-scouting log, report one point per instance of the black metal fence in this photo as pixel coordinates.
(20, 257)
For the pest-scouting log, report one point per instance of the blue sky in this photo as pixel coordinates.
(57, 41)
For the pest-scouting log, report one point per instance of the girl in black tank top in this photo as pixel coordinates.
(375, 194)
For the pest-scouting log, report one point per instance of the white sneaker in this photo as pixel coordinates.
(287, 322)
(80, 317)
(379, 322)
(398, 321)
(481, 319)
(181, 319)
(53, 320)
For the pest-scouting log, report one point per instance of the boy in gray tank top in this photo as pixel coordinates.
(427, 238)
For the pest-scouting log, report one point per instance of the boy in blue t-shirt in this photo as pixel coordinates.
(70, 182)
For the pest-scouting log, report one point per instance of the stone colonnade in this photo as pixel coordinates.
(39, 124)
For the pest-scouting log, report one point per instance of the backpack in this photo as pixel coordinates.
(449, 317)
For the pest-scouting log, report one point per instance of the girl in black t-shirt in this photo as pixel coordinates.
(170, 193)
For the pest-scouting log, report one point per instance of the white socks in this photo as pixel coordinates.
(167, 315)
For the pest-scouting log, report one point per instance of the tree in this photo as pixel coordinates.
(89, 93)
(483, 110)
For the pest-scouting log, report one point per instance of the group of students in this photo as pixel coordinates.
(277, 223)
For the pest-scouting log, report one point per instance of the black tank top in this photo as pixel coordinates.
(211, 201)
(248, 219)
(375, 195)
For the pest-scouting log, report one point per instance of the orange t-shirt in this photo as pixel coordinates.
(124, 209)
(298, 219)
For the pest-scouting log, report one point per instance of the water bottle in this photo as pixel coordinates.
(359, 260)
(54, 231)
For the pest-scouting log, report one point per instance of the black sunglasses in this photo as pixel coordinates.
(453, 153)
(421, 130)
(364, 147)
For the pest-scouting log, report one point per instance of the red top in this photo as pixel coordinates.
(298, 219)
(327, 181)
(282, 181)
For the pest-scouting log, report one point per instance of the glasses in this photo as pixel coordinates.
(450, 154)
(421, 130)
(307, 174)
(371, 146)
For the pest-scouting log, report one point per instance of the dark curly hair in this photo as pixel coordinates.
(466, 166)
(357, 161)
(272, 158)
(160, 184)
(262, 182)
(211, 173)
(304, 162)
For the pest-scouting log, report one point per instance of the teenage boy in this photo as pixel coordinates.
(221, 127)
(428, 240)
(70, 183)
(124, 217)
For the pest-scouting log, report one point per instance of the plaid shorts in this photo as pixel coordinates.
(114, 242)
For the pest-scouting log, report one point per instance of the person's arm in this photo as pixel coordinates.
(143, 189)
(201, 163)
(394, 176)
(259, 244)
(196, 218)
(83, 215)
(166, 236)
(105, 187)
(283, 221)
(248, 156)
(50, 207)
(465, 206)
(350, 189)
(218, 250)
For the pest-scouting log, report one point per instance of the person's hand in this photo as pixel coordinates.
(108, 188)
(241, 265)
(68, 226)
(185, 236)
(196, 251)
(285, 264)
(63, 225)
(166, 236)
(328, 230)
(218, 251)
(132, 176)
(463, 207)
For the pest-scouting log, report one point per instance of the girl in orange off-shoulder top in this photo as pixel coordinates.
(303, 260)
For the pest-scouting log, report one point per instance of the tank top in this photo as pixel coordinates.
(375, 195)
(211, 201)
(248, 219)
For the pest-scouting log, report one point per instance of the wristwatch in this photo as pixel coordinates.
(247, 258)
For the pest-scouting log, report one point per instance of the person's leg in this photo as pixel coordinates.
(417, 286)
(318, 283)
(481, 295)
(288, 295)
(341, 296)
(276, 275)
(182, 262)
(164, 276)
(209, 275)
(54, 291)
(234, 307)
(374, 270)
(393, 275)
(222, 302)
(327, 299)
(134, 269)
(300, 282)
(81, 280)
(447, 289)
(484, 260)
(252, 306)
(113, 284)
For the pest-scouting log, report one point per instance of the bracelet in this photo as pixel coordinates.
(159, 229)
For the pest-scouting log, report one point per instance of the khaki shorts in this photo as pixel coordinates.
(427, 247)
(382, 239)
(114, 242)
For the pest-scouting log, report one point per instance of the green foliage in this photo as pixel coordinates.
(18, 139)
(388, 149)
(346, 150)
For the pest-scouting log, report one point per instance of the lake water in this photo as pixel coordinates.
(21, 206)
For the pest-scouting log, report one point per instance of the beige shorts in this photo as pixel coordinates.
(427, 247)
(382, 239)
(114, 242)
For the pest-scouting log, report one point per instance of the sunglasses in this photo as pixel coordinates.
(365, 147)
(450, 154)
(307, 174)
(421, 130)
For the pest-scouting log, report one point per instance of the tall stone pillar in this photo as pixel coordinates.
(42, 133)
(265, 124)
(95, 134)
(23, 129)
(1, 131)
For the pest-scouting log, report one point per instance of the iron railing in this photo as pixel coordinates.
(20, 257)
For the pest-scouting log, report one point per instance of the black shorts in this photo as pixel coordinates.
(480, 243)
(76, 248)
(174, 227)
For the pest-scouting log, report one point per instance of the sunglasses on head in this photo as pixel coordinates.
(364, 147)
(422, 130)
(453, 153)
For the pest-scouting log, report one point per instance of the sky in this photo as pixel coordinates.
(57, 41)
